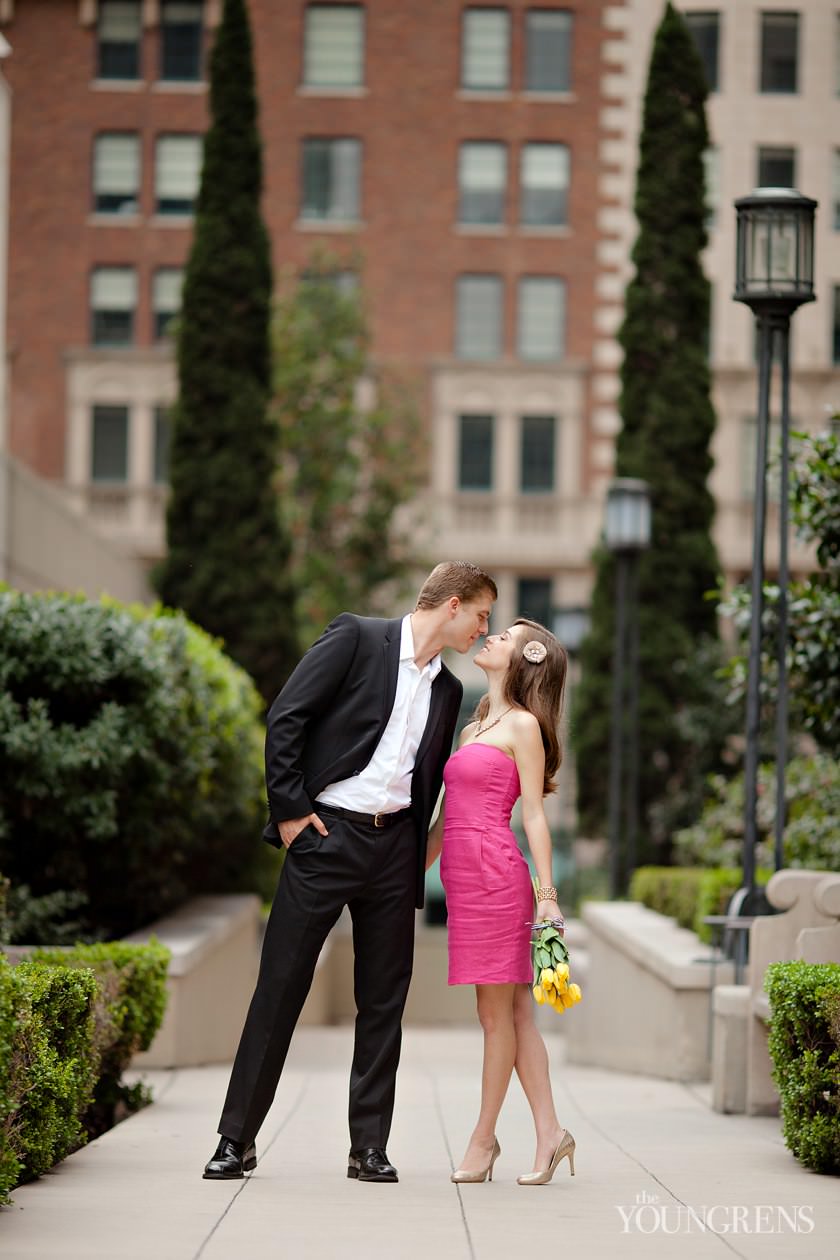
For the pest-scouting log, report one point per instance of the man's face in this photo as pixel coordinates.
(468, 621)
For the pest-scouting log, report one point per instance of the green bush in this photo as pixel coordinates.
(670, 890)
(130, 1004)
(53, 1064)
(689, 893)
(132, 755)
(69, 1023)
(812, 833)
(804, 1045)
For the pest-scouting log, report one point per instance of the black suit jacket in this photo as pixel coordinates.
(327, 721)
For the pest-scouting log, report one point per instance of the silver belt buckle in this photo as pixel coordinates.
(379, 819)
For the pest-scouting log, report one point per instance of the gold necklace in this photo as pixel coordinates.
(480, 730)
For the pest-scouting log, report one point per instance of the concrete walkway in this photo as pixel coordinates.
(650, 1153)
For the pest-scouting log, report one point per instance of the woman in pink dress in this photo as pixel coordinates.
(512, 750)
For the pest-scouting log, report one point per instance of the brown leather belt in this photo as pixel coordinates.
(367, 820)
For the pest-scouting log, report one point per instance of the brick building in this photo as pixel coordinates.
(476, 163)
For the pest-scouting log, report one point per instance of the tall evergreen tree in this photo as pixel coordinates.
(667, 426)
(228, 556)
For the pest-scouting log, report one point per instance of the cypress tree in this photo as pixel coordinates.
(667, 426)
(228, 557)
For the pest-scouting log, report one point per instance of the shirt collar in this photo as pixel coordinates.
(407, 649)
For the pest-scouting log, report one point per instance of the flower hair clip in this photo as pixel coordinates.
(535, 652)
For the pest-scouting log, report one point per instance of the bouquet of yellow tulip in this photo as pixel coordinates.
(550, 955)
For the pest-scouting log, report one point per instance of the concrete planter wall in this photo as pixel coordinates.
(647, 995)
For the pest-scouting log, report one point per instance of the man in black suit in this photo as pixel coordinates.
(355, 749)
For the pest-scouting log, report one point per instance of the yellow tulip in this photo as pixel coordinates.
(561, 986)
(562, 971)
(575, 993)
(539, 995)
(547, 978)
(567, 1000)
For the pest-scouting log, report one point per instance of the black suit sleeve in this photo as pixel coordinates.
(310, 690)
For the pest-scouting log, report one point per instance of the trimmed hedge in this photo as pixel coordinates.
(69, 1023)
(804, 1043)
(688, 893)
(132, 759)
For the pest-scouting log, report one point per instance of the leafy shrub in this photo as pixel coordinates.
(812, 834)
(804, 1045)
(670, 890)
(29, 920)
(132, 753)
(53, 1064)
(688, 893)
(130, 1004)
(69, 1024)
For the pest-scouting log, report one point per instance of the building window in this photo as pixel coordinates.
(485, 50)
(545, 184)
(119, 33)
(180, 40)
(548, 50)
(334, 46)
(113, 301)
(479, 317)
(776, 168)
(537, 454)
(162, 440)
(109, 443)
(475, 453)
(711, 179)
(116, 173)
(331, 179)
(482, 177)
(166, 299)
(835, 331)
(779, 52)
(534, 600)
(705, 29)
(177, 173)
(541, 318)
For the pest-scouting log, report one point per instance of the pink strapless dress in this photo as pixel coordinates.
(486, 878)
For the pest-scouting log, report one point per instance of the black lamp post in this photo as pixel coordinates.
(774, 274)
(627, 534)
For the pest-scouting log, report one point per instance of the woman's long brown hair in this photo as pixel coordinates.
(538, 688)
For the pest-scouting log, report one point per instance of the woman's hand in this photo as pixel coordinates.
(550, 910)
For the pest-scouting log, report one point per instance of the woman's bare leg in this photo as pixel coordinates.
(495, 1013)
(532, 1070)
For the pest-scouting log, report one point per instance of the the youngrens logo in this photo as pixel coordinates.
(649, 1215)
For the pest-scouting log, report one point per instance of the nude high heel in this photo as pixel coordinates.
(566, 1148)
(461, 1175)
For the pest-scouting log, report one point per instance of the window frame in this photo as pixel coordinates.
(476, 485)
(97, 411)
(528, 86)
(500, 192)
(130, 202)
(548, 460)
(531, 147)
(331, 143)
(101, 317)
(772, 153)
(767, 70)
(495, 283)
(108, 74)
(560, 287)
(473, 11)
(198, 76)
(317, 85)
(691, 20)
(183, 209)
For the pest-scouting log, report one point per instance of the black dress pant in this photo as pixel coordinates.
(373, 872)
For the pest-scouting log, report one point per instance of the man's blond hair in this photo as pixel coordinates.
(455, 577)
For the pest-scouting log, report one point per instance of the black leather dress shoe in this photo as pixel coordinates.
(231, 1160)
(371, 1164)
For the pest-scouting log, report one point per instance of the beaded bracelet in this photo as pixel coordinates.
(547, 894)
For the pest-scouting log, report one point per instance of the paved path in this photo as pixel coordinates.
(650, 1148)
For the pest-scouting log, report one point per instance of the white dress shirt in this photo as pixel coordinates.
(384, 785)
